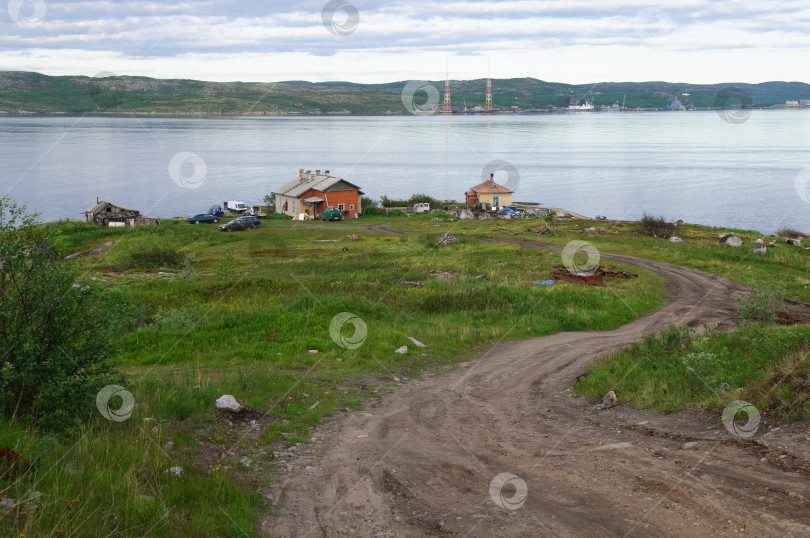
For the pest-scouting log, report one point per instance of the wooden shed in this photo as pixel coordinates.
(109, 214)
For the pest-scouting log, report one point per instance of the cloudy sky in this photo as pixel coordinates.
(576, 41)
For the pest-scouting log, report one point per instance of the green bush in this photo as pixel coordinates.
(657, 226)
(396, 213)
(371, 211)
(761, 305)
(57, 331)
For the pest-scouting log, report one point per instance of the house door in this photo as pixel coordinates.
(496, 201)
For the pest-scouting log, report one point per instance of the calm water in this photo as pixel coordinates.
(688, 165)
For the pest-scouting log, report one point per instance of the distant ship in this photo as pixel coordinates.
(586, 106)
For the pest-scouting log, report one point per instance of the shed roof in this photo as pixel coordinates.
(101, 204)
(489, 187)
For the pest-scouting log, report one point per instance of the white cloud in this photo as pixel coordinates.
(570, 41)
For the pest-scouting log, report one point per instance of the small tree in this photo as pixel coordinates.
(56, 331)
(270, 201)
(368, 201)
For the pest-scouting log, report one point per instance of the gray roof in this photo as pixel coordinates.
(296, 187)
(101, 204)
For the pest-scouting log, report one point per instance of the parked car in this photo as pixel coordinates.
(601, 217)
(203, 217)
(507, 212)
(248, 218)
(216, 210)
(330, 213)
(516, 209)
(423, 207)
(235, 226)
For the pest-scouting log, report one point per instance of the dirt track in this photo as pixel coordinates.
(421, 459)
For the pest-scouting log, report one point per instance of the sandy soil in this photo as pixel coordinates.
(422, 460)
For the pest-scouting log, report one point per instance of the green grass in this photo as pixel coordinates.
(784, 268)
(763, 364)
(240, 317)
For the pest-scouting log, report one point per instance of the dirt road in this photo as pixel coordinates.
(422, 460)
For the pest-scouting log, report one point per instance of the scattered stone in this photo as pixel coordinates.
(447, 239)
(480, 277)
(309, 467)
(402, 351)
(608, 401)
(175, 471)
(228, 403)
(759, 249)
(484, 216)
(497, 265)
(675, 239)
(590, 229)
(723, 387)
(446, 275)
(759, 241)
(313, 351)
(464, 214)
(731, 240)
(409, 282)
(690, 444)
(416, 342)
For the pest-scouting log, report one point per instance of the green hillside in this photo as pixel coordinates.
(24, 92)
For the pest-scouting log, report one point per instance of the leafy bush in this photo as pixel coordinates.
(56, 331)
(790, 232)
(396, 213)
(657, 226)
(371, 211)
(414, 199)
(368, 201)
(761, 305)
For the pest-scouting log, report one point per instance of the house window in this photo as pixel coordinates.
(351, 207)
(340, 207)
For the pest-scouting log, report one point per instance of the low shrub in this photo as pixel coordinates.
(790, 232)
(657, 226)
(371, 211)
(761, 305)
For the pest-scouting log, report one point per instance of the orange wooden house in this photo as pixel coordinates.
(312, 193)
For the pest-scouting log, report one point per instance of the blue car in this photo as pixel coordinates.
(505, 211)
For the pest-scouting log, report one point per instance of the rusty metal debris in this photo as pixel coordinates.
(590, 278)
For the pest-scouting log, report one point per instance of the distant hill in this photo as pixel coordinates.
(25, 92)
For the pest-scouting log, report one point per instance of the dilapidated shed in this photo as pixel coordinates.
(110, 214)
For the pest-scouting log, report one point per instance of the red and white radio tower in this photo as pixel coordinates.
(446, 107)
(488, 105)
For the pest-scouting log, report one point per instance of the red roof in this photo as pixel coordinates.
(490, 187)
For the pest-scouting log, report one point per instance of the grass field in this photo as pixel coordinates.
(249, 314)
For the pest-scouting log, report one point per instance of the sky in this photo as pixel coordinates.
(370, 41)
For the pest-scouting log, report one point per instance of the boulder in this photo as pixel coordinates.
(483, 216)
(759, 249)
(675, 239)
(416, 342)
(402, 351)
(731, 240)
(794, 242)
(464, 214)
(759, 241)
(608, 401)
(229, 404)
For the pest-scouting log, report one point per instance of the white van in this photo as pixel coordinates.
(235, 207)
(421, 208)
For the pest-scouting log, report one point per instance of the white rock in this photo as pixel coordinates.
(313, 351)
(176, 471)
(402, 351)
(675, 239)
(228, 403)
(416, 342)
